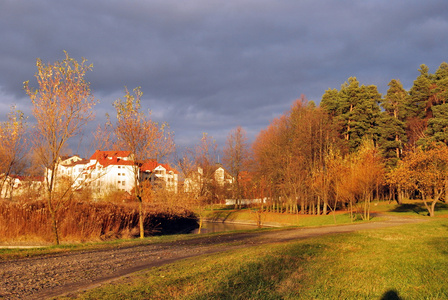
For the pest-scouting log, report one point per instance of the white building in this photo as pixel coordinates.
(160, 175)
(114, 170)
(22, 186)
(197, 181)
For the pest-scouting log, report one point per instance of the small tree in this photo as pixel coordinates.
(146, 139)
(426, 170)
(236, 157)
(62, 106)
(197, 167)
(368, 173)
(12, 148)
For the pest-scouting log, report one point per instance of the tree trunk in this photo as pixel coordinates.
(318, 205)
(325, 211)
(433, 208)
(140, 217)
(351, 210)
(54, 223)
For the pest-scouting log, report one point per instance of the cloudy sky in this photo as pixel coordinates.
(209, 66)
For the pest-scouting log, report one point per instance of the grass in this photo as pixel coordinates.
(282, 219)
(409, 261)
(409, 208)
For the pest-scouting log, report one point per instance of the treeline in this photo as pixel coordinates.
(356, 146)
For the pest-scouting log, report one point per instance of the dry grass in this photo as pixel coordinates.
(80, 221)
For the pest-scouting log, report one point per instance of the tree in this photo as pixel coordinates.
(12, 149)
(426, 170)
(368, 173)
(355, 108)
(419, 95)
(291, 151)
(62, 106)
(391, 124)
(236, 156)
(146, 139)
(437, 129)
(198, 167)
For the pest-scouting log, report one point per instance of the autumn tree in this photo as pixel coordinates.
(368, 171)
(146, 139)
(333, 179)
(270, 152)
(236, 157)
(62, 106)
(292, 150)
(426, 170)
(12, 149)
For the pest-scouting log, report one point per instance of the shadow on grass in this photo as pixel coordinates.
(222, 216)
(261, 279)
(391, 295)
(419, 208)
(440, 243)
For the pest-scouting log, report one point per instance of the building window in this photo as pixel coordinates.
(123, 183)
(119, 181)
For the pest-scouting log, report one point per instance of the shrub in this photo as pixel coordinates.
(81, 221)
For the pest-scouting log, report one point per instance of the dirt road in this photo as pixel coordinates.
(49, 276)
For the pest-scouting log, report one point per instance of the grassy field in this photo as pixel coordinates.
(410, 262)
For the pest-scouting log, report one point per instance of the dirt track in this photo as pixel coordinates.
(49, 276)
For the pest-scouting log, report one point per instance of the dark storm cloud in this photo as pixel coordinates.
(208, 66)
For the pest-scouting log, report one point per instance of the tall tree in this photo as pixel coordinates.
(291, 150)
(62, 106)
(439, 90)
(146, 139)
(419, 95)
(437, 129)
(356, 110)
(392, 126)
(236, 157)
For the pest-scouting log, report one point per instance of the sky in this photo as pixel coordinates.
(210, 66)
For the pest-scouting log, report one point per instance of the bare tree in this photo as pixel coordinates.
(62, 106)
(146, 139)
(236, 157)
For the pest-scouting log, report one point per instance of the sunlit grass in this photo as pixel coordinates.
(410, 260)
(279, 219)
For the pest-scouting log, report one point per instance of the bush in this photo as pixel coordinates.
(81, 221)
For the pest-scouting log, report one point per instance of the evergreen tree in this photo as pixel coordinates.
(356, 110)
(439, 91)
(437, 130)
(419, 95)
(392, 128)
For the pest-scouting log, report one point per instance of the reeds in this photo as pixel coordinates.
(81, 221)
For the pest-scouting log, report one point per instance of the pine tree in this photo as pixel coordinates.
(356, 110)
(392, 128)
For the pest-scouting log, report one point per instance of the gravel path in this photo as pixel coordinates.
(50, 276)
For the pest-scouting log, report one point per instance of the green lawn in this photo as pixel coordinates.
(409, 260)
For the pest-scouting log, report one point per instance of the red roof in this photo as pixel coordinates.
(104, 154)
(150, 165)
(107, 158)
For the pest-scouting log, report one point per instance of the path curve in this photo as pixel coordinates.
(53, 275)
